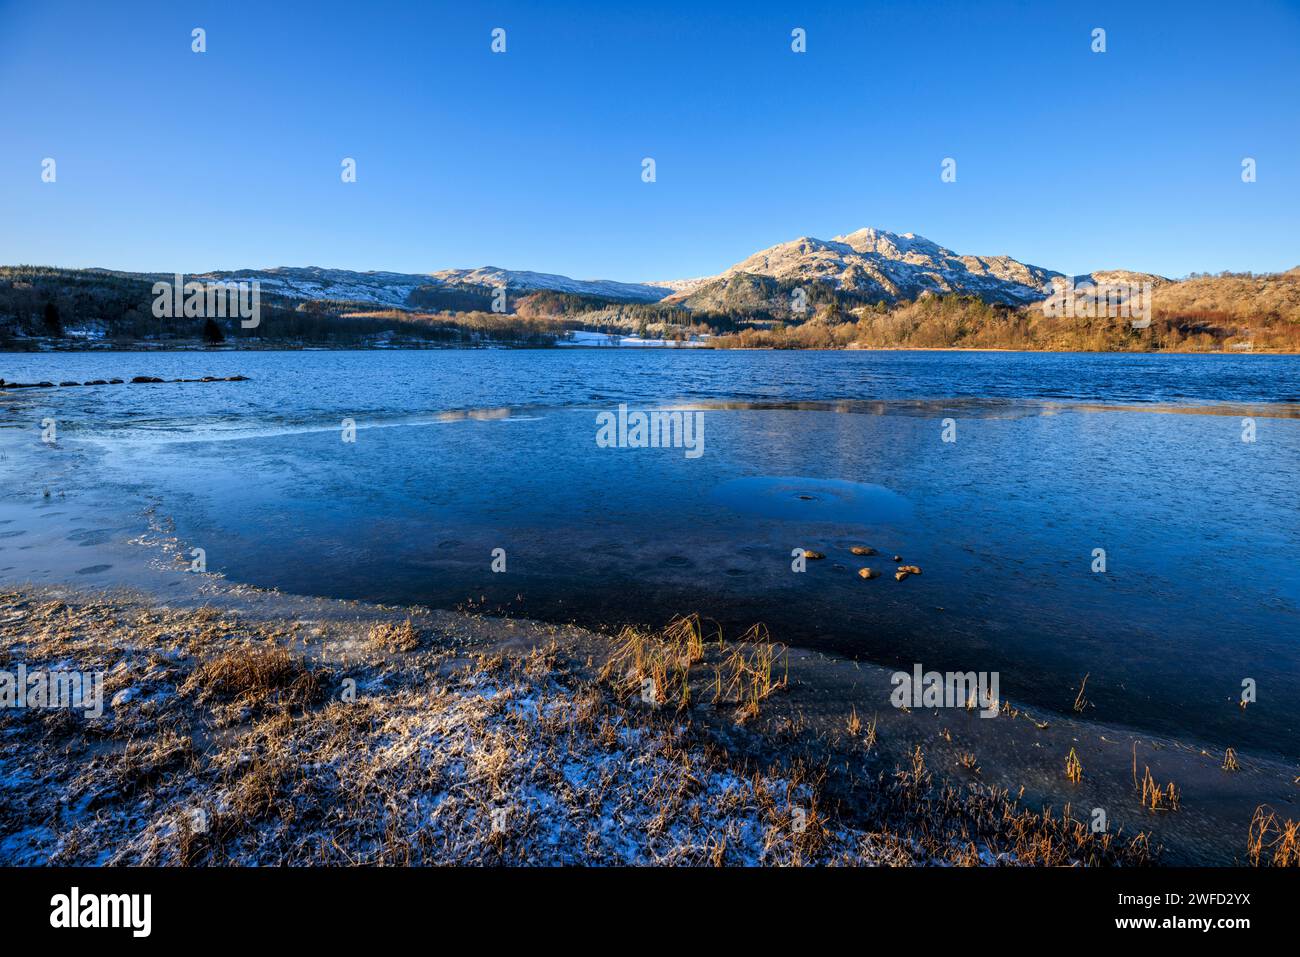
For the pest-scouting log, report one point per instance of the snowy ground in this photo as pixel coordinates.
(583, 337)
(219, 746)
(234, 733)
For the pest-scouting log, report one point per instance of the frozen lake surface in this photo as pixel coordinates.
(457, 454)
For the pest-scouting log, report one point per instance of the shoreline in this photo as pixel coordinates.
(978, 774)
(1014, 777)
(885, 777)
(317, 347)
(243, 741)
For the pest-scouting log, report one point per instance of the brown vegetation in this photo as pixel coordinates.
(1201, 314)
(1273, 841)
(395, 636)
(228, 741)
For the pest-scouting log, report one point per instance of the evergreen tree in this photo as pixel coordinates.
(212, 334)
(53, 324)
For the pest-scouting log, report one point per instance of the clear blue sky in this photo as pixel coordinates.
(171, 160)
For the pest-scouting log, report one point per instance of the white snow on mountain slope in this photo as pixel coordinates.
(682, 285)
(394, 289)
(873, 263)
(1111, 277)
(313, 282)
(518, 279)
(876, 262)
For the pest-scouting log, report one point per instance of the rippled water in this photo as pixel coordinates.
(461, 453)
(306, 387)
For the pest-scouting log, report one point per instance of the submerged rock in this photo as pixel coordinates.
(145, 379)
(810, 554)
(862, 550)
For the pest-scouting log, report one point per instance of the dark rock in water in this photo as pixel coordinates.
(862, 550)
(139, 380)
(898, 558)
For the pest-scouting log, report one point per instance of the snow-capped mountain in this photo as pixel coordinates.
(875, 263)
(395, 289)
(869, 263)
(516, 279)
(314, 283)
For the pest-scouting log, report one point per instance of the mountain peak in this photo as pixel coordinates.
(876, 263)
(869, 263)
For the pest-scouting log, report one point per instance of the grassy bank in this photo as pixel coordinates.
(227, 739)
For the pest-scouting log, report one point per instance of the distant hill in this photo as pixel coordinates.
(524, 281)
(868, 288)
(1240, 298)
(874, 264)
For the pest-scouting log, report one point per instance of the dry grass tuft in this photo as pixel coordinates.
(1157, 798)
(661, 668)
(855, 723)
(250, 676)
(1272, 841)
(394, 636)
(751, 674)
(1080, 702)
(1073, 768)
